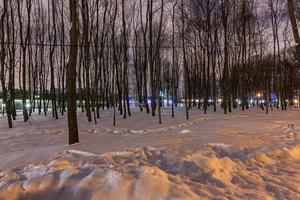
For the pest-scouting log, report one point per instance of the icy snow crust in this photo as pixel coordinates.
(240, 156)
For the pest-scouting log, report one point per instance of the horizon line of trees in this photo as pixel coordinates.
(101, 52)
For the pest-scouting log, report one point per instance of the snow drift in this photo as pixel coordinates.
(147, 173)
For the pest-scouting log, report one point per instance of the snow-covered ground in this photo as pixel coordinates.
(243, 155)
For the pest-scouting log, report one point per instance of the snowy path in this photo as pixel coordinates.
(43, 137)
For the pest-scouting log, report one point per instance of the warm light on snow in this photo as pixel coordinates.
(203, 158)
(151, 173)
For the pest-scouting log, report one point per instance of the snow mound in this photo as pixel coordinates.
(219, 169)
(218, 145)
(286, 154)
(58, 165)
(159, 174)
(82, 153)
(35, 171)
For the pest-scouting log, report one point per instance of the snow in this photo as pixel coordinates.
(243, 155)
(218, 145)
(166, 174)
(185, 131)
(35, 171)
(83, 153)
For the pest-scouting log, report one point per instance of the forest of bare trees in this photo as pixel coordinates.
(92, 55)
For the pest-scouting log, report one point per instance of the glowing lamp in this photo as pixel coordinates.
(259, 95)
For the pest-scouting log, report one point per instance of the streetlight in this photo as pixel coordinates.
(296, 102)
(259, 95)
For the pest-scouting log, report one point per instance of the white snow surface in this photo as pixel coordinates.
(243, 155)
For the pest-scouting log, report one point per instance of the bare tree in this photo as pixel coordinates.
(71, 75)
(185, 64)
(6, 98)
(291, 9)
(85, 32)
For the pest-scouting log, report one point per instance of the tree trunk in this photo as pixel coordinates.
(71, 75)
(293, 20)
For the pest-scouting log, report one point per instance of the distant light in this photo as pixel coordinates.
(210, 101)
(3, 105)
(28, 105)
(238, 101)
(161, 94)
(259, 95)
(287, 101)
(296, 101)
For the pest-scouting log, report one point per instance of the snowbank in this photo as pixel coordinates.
(158, 174)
